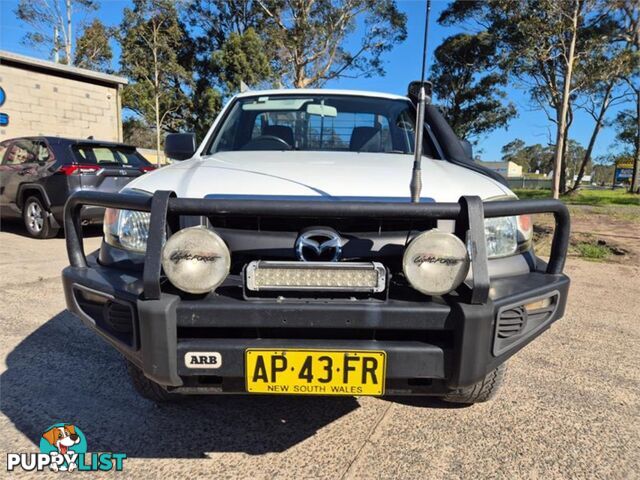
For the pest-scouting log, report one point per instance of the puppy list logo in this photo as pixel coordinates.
(62, 448)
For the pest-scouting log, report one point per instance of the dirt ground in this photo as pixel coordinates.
(569, 408)
(616, 228)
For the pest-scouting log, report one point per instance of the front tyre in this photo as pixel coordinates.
(148, 388)
(36, 219)
(479, 392)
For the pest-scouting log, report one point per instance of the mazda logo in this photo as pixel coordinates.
(319, 244)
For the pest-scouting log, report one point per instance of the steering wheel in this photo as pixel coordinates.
(267, 142)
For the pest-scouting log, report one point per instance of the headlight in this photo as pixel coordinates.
(128, 229)
(502, 236)
(507, 235)
(435, 262)
(196, 260)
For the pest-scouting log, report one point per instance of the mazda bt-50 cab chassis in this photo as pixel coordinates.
(351, 327)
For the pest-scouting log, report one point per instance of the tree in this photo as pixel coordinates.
(314, 36)
(151, 41)
(468, 87)
(602, 72)
(226, 45)
(603, 171)
(213, 21)
(136, 132)
(630, 34)
(92, 48)
(573, 157)
(627, 132)
(52, 22)
(541, 44)
(532, 158)
(242, 59)
(600, 96)
(513, 152)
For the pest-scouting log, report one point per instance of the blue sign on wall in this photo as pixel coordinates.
(4, 118)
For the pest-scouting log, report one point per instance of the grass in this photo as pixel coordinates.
(592, 251)
(587, 197)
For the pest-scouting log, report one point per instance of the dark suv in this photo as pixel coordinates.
(37, 175)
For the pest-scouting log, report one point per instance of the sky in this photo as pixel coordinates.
(402, 65)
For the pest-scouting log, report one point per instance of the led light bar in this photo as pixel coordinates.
(320, 276)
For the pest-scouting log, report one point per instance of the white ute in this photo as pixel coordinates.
(295, 251)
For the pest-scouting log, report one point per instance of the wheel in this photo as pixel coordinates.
(148, 388)
(482, 391)
(36, 219)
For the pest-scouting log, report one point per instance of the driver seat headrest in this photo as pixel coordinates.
(366, 139)
(280, 131)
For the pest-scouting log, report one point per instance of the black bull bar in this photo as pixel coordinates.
(469, 214)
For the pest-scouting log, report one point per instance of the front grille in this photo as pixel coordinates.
(342, 225)
(119, 317)
(114, 318)
(514, 322)
(511, 322)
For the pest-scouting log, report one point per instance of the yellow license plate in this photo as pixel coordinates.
(315, 372)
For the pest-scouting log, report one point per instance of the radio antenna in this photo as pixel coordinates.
(416, 174)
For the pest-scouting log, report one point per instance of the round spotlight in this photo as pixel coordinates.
(196, 260)
(435, 262)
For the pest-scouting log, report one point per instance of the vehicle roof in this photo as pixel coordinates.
(71, 141)
(319, 91)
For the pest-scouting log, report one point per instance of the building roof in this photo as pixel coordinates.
(59, 69)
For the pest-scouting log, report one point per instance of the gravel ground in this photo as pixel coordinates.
(570, 407)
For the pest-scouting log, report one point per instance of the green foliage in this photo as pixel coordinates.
(206, 102)
(532, 158)
(213, 21)
(136, 132)
(564, 51)
(242, 58)
(468, 87)
(626, 125)
(152, 38)
(267, 42)
(602, 174)
(315, 39)
(92, 48)
(600, 197)
(592, 251)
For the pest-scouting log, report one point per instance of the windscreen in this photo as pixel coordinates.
(318, 123)
(109, 155)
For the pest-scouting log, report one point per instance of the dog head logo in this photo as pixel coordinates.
(62, 437)
(66, 441)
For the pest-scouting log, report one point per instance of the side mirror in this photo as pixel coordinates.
(180, 146)
(468, 148)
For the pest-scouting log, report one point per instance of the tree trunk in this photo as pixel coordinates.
(68, 43)
(634, 187)
(594, 134)
(562, 121)
(156, 85)
(56, 48)
(563, 160)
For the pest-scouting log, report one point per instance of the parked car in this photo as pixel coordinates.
(284, 256)
(38, 174)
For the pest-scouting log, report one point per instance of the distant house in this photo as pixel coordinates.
(585, 178)
(506, 169)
